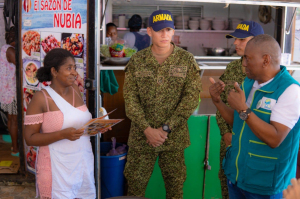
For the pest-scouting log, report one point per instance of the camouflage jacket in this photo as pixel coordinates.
(233, 73)
(161, 94)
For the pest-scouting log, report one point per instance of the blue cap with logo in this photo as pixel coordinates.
(246, 29)
(161, 19)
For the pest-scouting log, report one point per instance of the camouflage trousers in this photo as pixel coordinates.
(139, 168)
(222, 176)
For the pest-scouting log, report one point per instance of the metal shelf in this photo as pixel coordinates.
(202, 65)
(185, 30)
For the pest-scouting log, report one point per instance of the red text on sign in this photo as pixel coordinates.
(52, 5)
(67, 20)
(36, 5)
(67, 5)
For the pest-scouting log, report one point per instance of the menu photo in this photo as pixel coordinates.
(73, 42)
(30, 68)
(99, 125)
(27, 95)
(80, 75)
(31, 40)
(49, 41)
(31, 152)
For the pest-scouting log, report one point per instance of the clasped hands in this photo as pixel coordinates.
(235, 98)
(155, 137)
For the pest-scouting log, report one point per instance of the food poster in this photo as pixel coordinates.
(30, 68)
(31, 45)
(30, 158)
(27, 95)
(49, 24)
(49, 41)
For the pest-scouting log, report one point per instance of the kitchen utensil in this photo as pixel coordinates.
(122, 21)
(218, 51)
(185, 18)
(196, 27)
(116, 60)
(209, 18)
(205, 24)
(235, 22)
(181, 27)
(218, 24)
(180, 23)
(196, 18)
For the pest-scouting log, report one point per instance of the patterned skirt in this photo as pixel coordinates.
(10, 108)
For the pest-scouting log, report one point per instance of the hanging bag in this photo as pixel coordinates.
(9, 13)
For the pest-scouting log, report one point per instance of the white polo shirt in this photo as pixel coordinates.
(286, 110)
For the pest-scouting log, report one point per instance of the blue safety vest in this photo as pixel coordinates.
(141, 41)
(252, 164)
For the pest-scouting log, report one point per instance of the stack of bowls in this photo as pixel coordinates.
(195, 18)
(235, 22)
(181, 23)
(209, 18)
(194, 25)
(205, 24)
(179, 18)
(218, 24)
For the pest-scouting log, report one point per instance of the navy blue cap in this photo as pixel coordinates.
(246, 29)
(161, 19)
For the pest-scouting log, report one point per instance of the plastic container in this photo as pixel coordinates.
(6, 138)
(112, 167)
(122, 21)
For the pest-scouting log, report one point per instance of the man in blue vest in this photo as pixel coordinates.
(264, 113)
(135, 38)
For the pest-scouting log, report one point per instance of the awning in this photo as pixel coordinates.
(290, 3)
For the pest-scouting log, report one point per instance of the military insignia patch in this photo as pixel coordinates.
(160, 80)
(178, 71)
(143, 73)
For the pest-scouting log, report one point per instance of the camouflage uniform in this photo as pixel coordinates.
(233, 73)
(155, 95)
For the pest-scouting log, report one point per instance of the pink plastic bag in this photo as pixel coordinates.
(116, 151)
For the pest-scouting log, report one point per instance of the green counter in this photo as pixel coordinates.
(194, 160)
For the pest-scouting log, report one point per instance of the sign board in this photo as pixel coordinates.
(48, 24)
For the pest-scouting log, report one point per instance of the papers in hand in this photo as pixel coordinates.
(99, 125)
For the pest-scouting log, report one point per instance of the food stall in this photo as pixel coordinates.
(202, 157)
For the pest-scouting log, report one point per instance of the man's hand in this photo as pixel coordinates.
(293, 191)
(155, 137)
(163, 132)
(216, 89)
(236, 98)
(227, 137)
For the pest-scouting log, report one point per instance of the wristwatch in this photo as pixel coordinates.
(245, 114)
(166, 128)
